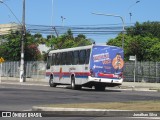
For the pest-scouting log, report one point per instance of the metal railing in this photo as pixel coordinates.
(33, 69)
(145, 71)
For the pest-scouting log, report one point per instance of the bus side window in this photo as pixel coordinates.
(69, 58)
(87, 56)
(58, 59)
(63, 58)
(72, 57)
(49, 59)
(53, 59)
(75, 57)
(82, 56)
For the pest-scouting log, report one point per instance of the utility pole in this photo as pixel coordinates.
(22, 44)
(130, 14)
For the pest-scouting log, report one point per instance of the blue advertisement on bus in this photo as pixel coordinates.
(106, 61)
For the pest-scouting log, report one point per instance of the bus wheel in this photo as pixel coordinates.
(100, 88)
(73, 86)
(51, 83)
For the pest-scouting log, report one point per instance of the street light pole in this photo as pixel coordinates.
(123, 30)
(22, 44)
(63, 18)
(130, 13)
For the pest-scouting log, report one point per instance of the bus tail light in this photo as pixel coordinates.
(92, 74)
(121, 75)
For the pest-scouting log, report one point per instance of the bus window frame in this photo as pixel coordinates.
(53, 59)
(82, 56)
(49, 60)
(75, 58)
(69, 58)
(88, 54)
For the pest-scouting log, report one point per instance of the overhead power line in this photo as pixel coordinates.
(79, 29)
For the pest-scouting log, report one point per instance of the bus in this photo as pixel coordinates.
(97, 66)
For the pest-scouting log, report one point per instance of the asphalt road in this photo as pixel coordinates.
(23, 97)
(20, 97)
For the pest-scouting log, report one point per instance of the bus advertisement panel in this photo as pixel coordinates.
(106, 62)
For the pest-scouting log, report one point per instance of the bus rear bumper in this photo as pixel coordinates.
(92, 81)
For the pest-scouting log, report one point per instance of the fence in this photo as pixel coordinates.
(145, 71)
(33, 69)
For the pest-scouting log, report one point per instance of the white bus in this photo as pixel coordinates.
(96, 66)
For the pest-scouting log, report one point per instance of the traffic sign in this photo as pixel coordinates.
(1, 60)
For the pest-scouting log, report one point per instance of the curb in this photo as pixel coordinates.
(27, 84)
(134, 88)
(37, 108)
(78, 112)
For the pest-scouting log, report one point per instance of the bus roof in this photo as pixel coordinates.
(71, 49)
(76, 48)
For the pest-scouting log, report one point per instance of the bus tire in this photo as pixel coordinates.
(100, 88)
(73, 85)
(51, 82)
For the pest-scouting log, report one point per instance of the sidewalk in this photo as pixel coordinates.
(141, 86)
(125, 85)
(29, 81)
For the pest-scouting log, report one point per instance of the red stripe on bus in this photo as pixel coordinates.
(106, 75)
(69, 73)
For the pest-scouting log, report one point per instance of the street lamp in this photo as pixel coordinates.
(63, 18)
(130, 14)
(133, 4)
(122, 23)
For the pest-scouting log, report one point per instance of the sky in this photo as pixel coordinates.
(79, 13)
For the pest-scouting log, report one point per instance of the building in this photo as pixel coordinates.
(43, 48)
(7, 28)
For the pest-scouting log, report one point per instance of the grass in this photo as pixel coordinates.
(157, 89)
(132, 105)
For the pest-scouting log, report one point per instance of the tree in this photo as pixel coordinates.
(68, 40)
(39, 38)
(32, 53)
(11, 48)
(155, 52)
(141, 40)
(150, 29)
